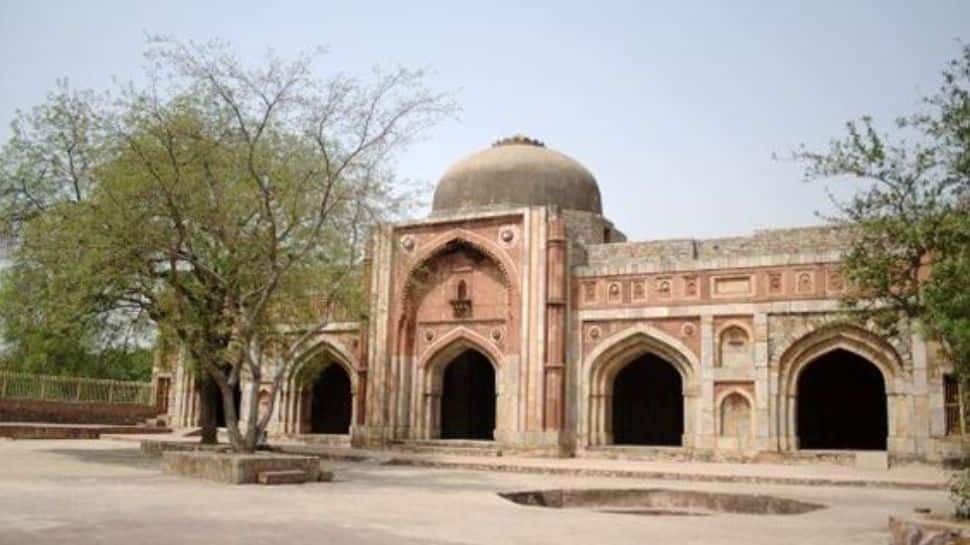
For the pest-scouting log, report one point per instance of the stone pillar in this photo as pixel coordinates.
(554, 364)
(706, 429)
(360, 396)
(375, 427)
(185, 406)
(921, 387)
(762, 396)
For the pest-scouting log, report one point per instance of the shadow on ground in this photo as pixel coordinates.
(121, 456)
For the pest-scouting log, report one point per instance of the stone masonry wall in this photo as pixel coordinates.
(806, 240)
(26, 410)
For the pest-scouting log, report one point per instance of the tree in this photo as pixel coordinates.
(910, 258)
(227, 205)
(48, 161)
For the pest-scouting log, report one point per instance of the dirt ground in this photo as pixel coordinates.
(105, 492)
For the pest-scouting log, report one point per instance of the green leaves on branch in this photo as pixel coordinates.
(911, 216)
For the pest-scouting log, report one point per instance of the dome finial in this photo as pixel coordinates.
(518, 139)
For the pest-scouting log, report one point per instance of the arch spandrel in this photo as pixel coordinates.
(446, 242)
(334, 351)
(456, 341)
(425, 311)
(851, 338)
(614, 352)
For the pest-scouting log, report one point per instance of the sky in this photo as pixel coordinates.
(676, 107)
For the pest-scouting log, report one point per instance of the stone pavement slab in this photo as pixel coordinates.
(107, 493)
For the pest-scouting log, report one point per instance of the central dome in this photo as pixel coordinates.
(517, 171)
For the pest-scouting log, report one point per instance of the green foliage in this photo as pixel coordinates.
(45, 331)
(959, 489)
(911, 218)
(947, 297)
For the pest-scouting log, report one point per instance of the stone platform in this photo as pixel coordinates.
(905, 477)
(232, 468)
(40, 430)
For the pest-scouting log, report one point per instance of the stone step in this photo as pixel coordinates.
(577, 467)
(329, 440)
(641, 453)
(288, 476)
(449, 447)
(865, 459)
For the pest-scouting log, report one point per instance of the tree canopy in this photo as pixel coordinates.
(911, 256)
(222, 204)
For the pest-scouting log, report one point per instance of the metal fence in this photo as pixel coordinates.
(74, 390)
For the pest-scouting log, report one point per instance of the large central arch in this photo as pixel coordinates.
(643, 347)
(458, 349)
(468, 398)
(429, 331)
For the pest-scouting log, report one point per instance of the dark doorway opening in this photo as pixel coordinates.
(331, 404)
(648, 403)
(842, 404)
(215, 395)
(468, 398)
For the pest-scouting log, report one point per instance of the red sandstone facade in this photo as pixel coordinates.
(517, 314)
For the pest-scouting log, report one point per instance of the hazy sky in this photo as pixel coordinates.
(675, 107)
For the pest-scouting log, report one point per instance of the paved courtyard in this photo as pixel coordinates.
(104, 492)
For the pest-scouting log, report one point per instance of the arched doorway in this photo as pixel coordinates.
(648, 403)
(468, 398)
(331, 404)
(841, 404)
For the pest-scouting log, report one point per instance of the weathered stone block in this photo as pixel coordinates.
(235, 468)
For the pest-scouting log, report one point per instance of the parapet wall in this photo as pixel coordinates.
(824, 243)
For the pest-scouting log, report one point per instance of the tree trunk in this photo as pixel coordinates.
(207, 409)
(253, 430)
(236, 440)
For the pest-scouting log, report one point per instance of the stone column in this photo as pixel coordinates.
(554, 364)
(360, 396)
(376, 428)
(923, 417)
(761, 389)
(706, 429)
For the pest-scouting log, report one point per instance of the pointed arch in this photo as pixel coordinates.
(456, 341)
(296, 399)
(335, 353)
(431, 369)
(448, 241)
(618, 349)
(727, 354)
(852, 339)
(614, 353)
(719, 406)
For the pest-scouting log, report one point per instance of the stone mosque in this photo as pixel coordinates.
(516, 317)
